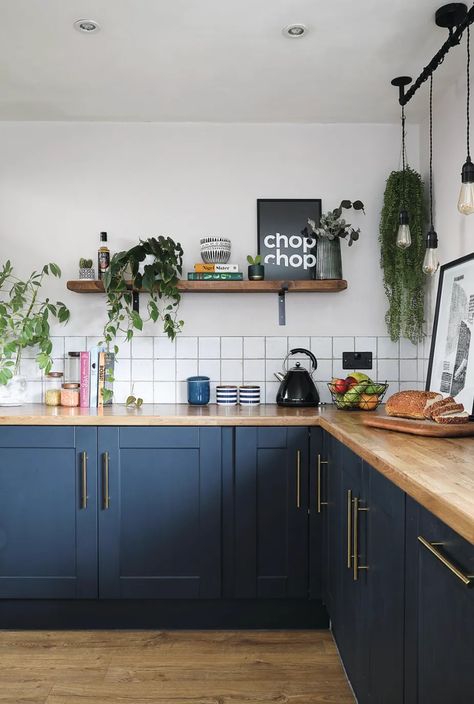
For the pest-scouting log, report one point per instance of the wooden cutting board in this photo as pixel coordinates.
(420, 427)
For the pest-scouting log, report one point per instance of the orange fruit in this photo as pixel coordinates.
(368, 402)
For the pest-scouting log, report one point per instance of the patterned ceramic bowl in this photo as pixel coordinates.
(215, 250)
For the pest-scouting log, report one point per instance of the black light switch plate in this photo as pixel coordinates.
(357, 360)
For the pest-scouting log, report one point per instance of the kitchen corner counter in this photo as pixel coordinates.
(436, 472)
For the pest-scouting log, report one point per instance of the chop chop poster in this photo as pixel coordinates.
(286, 252)
(453, 359)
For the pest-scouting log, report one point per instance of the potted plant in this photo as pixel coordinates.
(25, 322)
(163, 266)
(332, 227)
(86, 270)
(256, 270)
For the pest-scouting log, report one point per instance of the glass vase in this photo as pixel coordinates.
(328, 258)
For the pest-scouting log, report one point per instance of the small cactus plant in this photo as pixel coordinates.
(86, 270)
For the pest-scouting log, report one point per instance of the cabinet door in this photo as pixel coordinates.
(318, 503)
(440, 613)
(160, 513)
(385, 606)
(48, 528)
(271, 513)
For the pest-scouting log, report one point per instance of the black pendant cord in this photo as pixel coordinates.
(403, 159)
(431, 152)
(468, 91)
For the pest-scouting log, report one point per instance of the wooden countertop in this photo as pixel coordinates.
(436, 472)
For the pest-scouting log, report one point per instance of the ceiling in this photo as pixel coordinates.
(215, 60)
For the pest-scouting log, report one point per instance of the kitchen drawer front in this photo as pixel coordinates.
(159, 437)
(37, 436)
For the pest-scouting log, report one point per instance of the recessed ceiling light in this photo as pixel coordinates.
(295, 31)
(86, 26)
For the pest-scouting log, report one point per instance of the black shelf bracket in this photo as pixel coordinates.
(281, 303)
(136, 301)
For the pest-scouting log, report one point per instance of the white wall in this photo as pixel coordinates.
(61, 183)
(455, 231)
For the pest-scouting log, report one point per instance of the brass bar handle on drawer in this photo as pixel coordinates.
(349, 528)
(298, 478)
(355, 536)
(466, 579)
(84, 496)
(320, 503)
(105, 481)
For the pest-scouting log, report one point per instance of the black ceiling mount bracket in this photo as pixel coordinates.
(400, 82)
(456, 18)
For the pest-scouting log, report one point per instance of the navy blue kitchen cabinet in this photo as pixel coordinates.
(160, 513)
(48, 516)
(439, 612)
(271, 505)
(364, 547)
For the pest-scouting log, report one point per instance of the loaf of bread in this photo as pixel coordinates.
(453, 418)
(433, 405)
(410, 404)
(447, 409)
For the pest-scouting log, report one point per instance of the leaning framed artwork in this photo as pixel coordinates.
(451, 362)
(285, 243)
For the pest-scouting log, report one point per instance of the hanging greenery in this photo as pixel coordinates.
(403, 276)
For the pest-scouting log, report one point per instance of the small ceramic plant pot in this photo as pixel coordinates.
(256, 272)
(87, 273)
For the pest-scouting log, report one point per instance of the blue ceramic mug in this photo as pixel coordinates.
(199, 390)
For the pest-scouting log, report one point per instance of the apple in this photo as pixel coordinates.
(351, 381)
(340, 385)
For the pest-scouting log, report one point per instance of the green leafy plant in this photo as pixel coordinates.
(25, 319)
(133, 402)
(332, 225)
(85, 263)
(403, 276)
(254, 261)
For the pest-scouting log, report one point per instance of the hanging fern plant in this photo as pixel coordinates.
(403, 276)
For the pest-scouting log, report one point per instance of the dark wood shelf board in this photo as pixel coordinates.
(301, 286)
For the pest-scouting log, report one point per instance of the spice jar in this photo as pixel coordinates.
(73, 368)
(70, 395)
(52, 388)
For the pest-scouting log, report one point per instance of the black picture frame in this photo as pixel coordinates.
(287, 218)
(452, 371)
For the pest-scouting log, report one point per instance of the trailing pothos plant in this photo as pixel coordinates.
(25, 319)
(332, 224)
(158, 277)
(403, 276)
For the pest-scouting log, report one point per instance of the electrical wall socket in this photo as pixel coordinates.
(357, 360)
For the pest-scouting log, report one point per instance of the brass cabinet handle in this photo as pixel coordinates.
(349, 528)
(298, 478)
(466, 579)
(320, 503)
(105, 481)
(84, 496)
(355, 537)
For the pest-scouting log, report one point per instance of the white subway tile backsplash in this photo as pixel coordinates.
(324, 370)
(254, 348)
(92, 341)
(164, 392)
(185, 368)
(231, 371)
(321, 347)
(164, 348)
(122, 389)
(164, 370)
(186, 347)
(301, 342)
(142, 370)
(231, 348)
(210, 368)
(272, 366)
(254, 369)
(123, 370)
(34, 392)
(144, 390)
(386, 349)
(340, 345)
(276, 347)
(209, 347)
(74, 344)
(271, 390)
(58, 347)
(387, 369)
(366, 344)
(408, 370)
(142, 347)
(407, 349)
(181, 392)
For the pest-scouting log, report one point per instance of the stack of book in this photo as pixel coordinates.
(97, 374)
(215, 272)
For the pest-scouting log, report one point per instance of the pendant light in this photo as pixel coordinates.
(431, 261)
(466, 195)
(403, 234)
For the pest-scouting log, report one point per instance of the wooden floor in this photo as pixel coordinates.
(178, 667)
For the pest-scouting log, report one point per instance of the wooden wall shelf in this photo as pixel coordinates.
(309, 286)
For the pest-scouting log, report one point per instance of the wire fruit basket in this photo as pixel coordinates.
(361, 396)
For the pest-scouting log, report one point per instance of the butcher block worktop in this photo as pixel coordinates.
(438, 473)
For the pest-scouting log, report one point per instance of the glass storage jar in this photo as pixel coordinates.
(52, 388)
(73, 368)
(70, 395)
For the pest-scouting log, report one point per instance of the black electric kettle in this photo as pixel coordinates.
(297, 387)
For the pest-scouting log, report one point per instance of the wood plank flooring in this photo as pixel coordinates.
(177, 667)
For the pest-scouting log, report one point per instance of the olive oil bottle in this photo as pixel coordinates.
(103, 256)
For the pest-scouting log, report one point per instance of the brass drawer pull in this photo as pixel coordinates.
(320, 503)
(349, 528)
(356, 565)
(466, 579)
(105, 481)
(298, 478)
(84, 496)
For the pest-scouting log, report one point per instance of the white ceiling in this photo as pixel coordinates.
(214, 60)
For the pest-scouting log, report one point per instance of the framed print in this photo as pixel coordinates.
(285, 243)
(451, 363)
